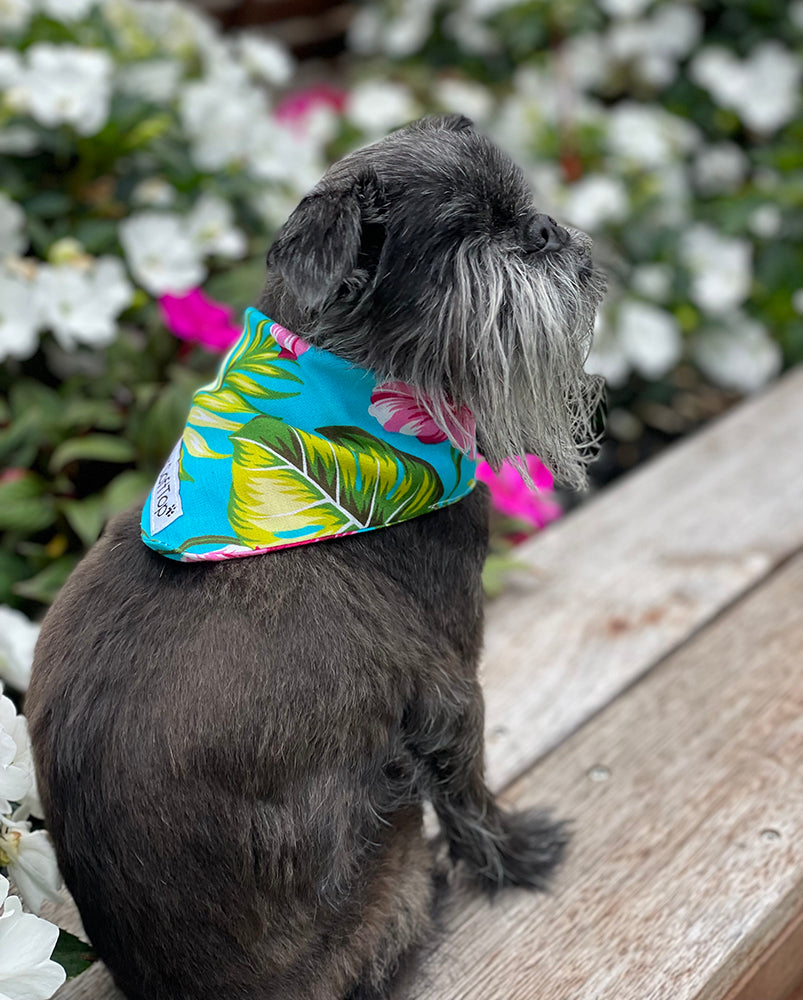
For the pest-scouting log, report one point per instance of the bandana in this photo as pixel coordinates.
(292, 444)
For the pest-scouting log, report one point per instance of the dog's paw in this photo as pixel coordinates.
(525, 851)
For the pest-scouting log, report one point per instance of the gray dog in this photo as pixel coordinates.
(233, 755)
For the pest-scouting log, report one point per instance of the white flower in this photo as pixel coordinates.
(650, 338)
(210, 226)
(377, 105)
(66, 83)
(16, 763)
(586, 60)
(67, 10)
(155, 80)
(766, 220)
(81, 304)
(720, 168)
(721, 268)
(220, 114)
(12, 223)
(15, 14)
(463, 97)
(19, 319)
(797, 301)
(266, 58)
(281, 153)
(26, 944)
(595, 200)
(31, 862)
(675, 29)
(647, 135)
(653, 281)
(624, 8)
(18, 140)
(763, 90)
(607, 358)
(11, 70)
(740, 355)
(17, 639)
(160, 253)
(154, 192)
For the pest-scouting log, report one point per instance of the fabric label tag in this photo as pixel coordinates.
(165, 498)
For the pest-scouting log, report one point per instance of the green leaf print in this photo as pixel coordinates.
(292, 485)
(224, 404)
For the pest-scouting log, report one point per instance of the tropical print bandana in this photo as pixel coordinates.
(291, 445)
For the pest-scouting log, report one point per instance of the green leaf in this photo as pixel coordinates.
(337, 479)
(46, 584)
(85, 517)
(24, 505)
(123, 491)
(72, 954)
(93, 448)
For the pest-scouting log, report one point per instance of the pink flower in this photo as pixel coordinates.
(511, 496)
(398, 407)
(295, 108)
(291, 344)
(195, 317)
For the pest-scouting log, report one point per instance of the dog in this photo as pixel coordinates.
(233, 755)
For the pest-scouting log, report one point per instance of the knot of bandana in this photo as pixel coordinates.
(291, 444)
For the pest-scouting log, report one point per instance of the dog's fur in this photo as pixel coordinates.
(233, 756)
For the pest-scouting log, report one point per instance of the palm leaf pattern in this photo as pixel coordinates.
(225, 404)
(294, 485)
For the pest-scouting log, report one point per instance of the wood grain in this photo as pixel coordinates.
(624, 580)
(687, 862)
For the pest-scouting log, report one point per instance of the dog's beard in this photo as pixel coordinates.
(512, 339)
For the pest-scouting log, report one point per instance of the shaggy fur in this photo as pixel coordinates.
(233, 756)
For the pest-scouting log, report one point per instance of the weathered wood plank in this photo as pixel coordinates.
(687, 863)
(625, 579)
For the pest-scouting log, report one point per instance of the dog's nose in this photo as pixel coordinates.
(548, 234)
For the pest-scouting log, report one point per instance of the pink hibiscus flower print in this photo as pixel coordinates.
(195, 317)
(291, 344)
(399, 407)
(511, 496)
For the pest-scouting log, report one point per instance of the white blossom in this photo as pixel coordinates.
(210, 226)
(11, 68)
(16, 762)
(12, 225)
(266, 58)
(720, 266)
(220, 114)
(160, 253)
(586, 60)
(607, 358)
(378, 105)
(470, 34)
(719, 168)
(595, 200)
(653, 281)
(68, 84)
(280, 152)
(15, 14)
(463, 97)
(155, 80)
(67, 10)
(738, 355)
(766, 220)
(797, 301)
(17, 638)
(26, 944)
(650, 338)
(155, 192)
(30, 860)
(80, 304)
(647, 135)
(19, 318)
(18, 140)
(763, 90)
(624, 8)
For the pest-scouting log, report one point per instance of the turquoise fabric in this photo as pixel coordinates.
(292, 445)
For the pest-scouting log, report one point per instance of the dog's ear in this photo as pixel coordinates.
(319, 245)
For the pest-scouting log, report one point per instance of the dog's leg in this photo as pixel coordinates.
(499, 848)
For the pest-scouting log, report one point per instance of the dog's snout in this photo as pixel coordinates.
(548, 235)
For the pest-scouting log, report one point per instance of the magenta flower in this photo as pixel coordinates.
(511, 496)
(195, 317)
(294, 109)
(398, 407)
(291, 344)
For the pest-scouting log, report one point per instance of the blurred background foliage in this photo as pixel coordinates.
(146, 154)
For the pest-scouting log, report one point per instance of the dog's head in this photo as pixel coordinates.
(424, 258)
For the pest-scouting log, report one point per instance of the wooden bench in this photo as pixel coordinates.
(644, 676)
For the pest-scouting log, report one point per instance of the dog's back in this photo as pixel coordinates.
(238, 728)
